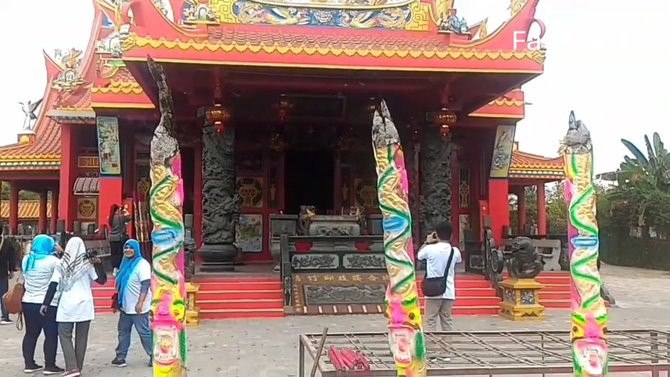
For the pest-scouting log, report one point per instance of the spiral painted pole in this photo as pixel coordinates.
(168, 306)
(589, 314)
(406, 337)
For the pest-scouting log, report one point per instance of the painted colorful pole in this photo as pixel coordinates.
(406, 337)
(589, 314)
(168, 307)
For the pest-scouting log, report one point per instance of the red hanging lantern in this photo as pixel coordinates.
(217, 115)
(444, 119)
(285, 106)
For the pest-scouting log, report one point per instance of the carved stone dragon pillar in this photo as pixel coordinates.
(220, 203)
(435, 170)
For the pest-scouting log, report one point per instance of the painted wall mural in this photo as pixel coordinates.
(338, 4)
(108, 145)
(259, 12)
(250, 233)
(502, 151)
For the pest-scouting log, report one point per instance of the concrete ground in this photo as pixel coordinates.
(268, 348)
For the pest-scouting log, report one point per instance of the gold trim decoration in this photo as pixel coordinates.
(465, 54)
(539, 56)
(88, 162)
(464, 188)
(507, 102)
(120, 105)
(116, 87)
(224, 8)
(516, 6)
(87, 208)
(420, 14)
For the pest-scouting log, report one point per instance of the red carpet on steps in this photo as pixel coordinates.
(262, 297)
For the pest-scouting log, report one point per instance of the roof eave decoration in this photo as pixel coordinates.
(510, 106)
(235, 43)
(534, 167)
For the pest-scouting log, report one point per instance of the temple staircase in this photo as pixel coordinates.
(240, 297)
(221, 297)
(474, 296)
(556, 292)
(235, 297)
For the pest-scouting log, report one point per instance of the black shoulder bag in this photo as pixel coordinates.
(435, 287)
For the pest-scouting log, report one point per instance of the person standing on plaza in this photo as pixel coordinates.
(38, 268)
(441, 259)
(133, 284)
(72, 280)
(7, 270)
(118, 220)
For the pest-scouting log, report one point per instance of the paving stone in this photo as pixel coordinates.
(269, 347)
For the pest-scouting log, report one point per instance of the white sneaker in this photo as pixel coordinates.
(115, 271)
(5, 322)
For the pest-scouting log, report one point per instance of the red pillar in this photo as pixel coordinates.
(42, 224)
(13, 208)
(521, 207)
(197, 195)
(111, 192)
(54, 212)
(498, 207)
(68, 173)
(541, 210)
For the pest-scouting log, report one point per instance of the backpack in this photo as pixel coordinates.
(435, 287)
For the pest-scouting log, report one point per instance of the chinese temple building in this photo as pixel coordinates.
(274, 101)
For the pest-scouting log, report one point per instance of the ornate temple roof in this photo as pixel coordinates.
(98, 78)
(28, 209)
(415, 35)
(529, 166)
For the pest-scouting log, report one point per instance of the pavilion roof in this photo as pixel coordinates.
(530, 166)
(28, 209)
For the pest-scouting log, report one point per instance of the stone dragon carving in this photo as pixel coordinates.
(435, 160)
(220, 202)
(168, 307)
(406, 338)
(589, 314)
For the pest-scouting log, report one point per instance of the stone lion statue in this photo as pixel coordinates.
(525, 261)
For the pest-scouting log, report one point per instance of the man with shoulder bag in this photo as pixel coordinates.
(438, 285)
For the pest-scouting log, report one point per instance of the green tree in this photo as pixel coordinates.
(23, 195)
(642, 194)
(557, 209)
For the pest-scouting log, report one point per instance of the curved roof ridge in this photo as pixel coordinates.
(43, 150)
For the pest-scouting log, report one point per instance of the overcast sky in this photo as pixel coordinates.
(606, 61)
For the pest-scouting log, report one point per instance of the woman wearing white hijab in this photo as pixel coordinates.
(72, 278)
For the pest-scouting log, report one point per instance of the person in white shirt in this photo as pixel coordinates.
(72, 280)
(38, 267)
(440, 257)
(133, 283)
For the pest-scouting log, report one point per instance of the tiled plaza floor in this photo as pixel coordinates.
(268, 348)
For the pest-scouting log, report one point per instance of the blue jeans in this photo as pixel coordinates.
(126, 323)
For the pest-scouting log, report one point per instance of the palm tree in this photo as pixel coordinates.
(653, 169)
(643, 183)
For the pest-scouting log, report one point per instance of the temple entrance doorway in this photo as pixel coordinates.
(310, 179)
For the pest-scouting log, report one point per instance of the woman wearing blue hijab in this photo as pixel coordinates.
(133, 283)
(38, 267)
